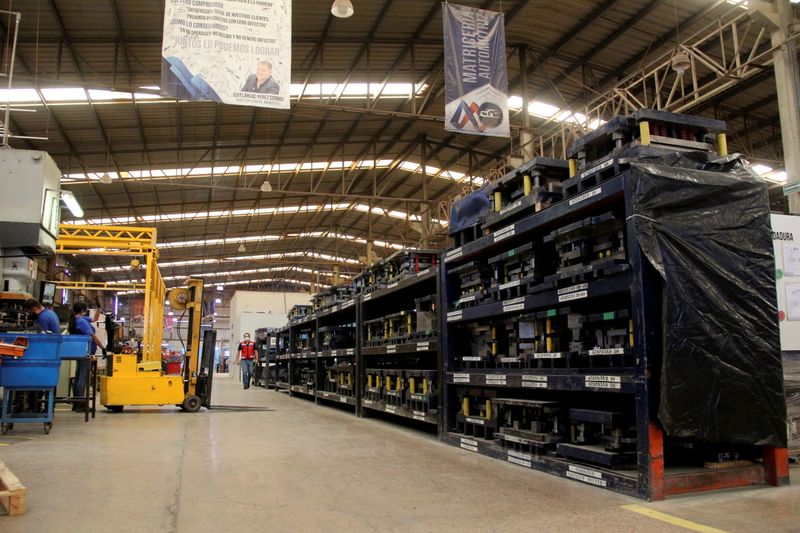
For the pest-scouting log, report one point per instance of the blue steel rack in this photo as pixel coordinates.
(630, 386)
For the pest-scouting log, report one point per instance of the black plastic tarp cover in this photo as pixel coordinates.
(467, 211)
(703, 223)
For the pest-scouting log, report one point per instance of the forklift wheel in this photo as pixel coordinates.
(115, 408)
(47, 427)
(191, 404)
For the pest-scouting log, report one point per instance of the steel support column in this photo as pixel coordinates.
(777, 16)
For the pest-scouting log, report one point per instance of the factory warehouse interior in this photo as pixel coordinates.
(399, 265)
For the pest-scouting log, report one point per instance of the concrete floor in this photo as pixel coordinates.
(299, 467)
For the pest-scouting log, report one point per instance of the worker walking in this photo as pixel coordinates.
(245, 356)
(46, 318)
(79, 324)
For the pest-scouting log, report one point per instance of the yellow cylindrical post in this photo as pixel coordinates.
(644, 133)
(548, 329)
(722, 144)
(498, 201)
(488, 409)
(630, 333)
(526, 184)
(399, 384)
(408, 320)
(573, 168)
(494, 340)
(465, 405)
(425, 386)
(411, 385)
(369, 380)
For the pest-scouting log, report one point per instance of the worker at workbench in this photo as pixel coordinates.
(246, 354)
(46, 318)
(79, 324)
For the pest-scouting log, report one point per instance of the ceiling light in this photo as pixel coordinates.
(681, 63)
(219, 287)
(342, 8)
(242, 248)
(779, 176)
(170, 313)
(218, 301)
(266, 186)
(72, 204)
(105, 178)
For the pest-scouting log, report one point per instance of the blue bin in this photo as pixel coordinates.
(29, 373)
(50, 346)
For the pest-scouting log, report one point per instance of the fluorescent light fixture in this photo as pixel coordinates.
(540, 109)
(170, 313)
(515, 102)
(218, 301)
(761, 169)
(241, 248)
(219, 287)
(72, 203)
(342, 9)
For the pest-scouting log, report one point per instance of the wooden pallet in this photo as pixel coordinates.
(13, 494)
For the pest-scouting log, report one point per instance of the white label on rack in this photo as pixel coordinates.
(597, 168)
(350, 351)
(418, 417)
(460, 378)
(585, 196)
(510, 359)
(347, 304)
(507, 308)
(326, 394)
(606, 379)
(510, 207)
(522, 459)
(476, 421)
(469, 444)
(423, 272)
(422, 346)
(573, 288)
(585, 471)
(390, 409)
(343, 399)
(548, 355)
(509, 284)
(586, 479)
(453, 315)
(453, 254)
(391, 285)
(418, 397)
(534, 382)
(573, 296)
(519, 462)
(466, 299)
(607, 351)
(495, 379)
(504, 233)
(391, 349)
(368, 402)
(419, 413)
(472, 358)
(367, 297)
(603, 382)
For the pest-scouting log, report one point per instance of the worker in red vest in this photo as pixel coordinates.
(245, 356)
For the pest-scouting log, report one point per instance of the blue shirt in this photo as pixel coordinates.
(84, 327)
(48, 321)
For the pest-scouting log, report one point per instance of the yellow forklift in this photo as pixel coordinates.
(138, 379)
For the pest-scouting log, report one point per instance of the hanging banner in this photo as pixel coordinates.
(476, 80)
(231, 51)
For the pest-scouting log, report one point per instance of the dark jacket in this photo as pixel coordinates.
(270, 86)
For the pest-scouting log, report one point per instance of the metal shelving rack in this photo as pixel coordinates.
(401, 370)
(594, 391)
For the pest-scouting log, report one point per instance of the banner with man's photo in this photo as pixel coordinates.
(476, 79)
(231, 51)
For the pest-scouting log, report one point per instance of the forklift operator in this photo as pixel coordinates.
(46, 319)
(246, 354)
